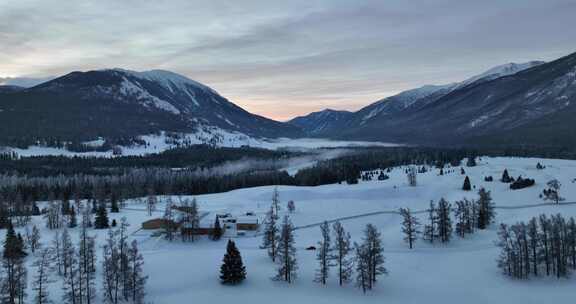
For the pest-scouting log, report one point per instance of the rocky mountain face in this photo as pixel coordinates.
(119, 103)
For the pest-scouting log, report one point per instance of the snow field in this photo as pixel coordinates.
(462, 271)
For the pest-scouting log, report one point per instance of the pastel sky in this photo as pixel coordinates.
(281, 59)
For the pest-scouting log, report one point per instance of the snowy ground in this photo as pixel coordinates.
(463, 271)
(210, 135)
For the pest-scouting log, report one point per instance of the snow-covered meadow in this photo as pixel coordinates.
(462, 271)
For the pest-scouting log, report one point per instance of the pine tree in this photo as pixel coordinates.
(101, 220)
(114, 203)
(410, 226)
(217, 232)
(467, 186)
(287, 265)
(72, 222)
(13, 246)
(486, 213)
(506, 177)
(444, 220)
(15, 280)
(342, 249)
(324, 255)
(232, 271)
(270, 236)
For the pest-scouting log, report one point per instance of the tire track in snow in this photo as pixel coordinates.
(396, 212)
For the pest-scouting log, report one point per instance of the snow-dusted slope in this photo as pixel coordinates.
(319, 122)
(331, 123)
(118, 103)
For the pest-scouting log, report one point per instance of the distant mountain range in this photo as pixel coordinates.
(116, 103)
(525, 104)
(530, 104)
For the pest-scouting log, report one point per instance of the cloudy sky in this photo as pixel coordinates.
(286, 58)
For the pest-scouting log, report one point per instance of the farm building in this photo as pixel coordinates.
(157, 223)
(232, 226)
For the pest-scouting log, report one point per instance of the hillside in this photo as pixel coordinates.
(111, 104)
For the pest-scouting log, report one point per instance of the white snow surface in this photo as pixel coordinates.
(463, 271)
(204, 135)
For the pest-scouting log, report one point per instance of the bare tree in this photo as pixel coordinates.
(324, 255)
(342, 249)
(410, 226)
(42, 279)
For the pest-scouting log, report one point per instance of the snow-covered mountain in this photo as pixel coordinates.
(521, 104)
(118, 103)
(410, 101)
(319, 122)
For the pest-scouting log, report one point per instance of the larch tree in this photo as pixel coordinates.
(270, 236)
(324, 255)
(42, 278)
(410, 226)
(286, 253)
(342, 249)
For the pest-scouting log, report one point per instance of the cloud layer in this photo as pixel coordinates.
(282, 59)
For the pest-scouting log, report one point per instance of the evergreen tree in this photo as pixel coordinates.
(467, 186)
(13, 246)
(217, 232)
(486, 213)
(72, 222)
(410, 226)
(506, 177)
(444, 220)
(114, 204)
(232, 271)
(342, 249)
(101, 220)
(286, 252)
(15, 275)
(324, 255)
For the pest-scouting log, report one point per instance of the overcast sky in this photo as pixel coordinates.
(286, 58)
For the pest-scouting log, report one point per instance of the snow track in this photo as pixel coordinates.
(363, 215)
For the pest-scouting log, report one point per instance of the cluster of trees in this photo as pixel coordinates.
(122, 273)
(467, 215)
(74, 263)
(553, 191)
(366, 258)
(335, 251)
(543, 246)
